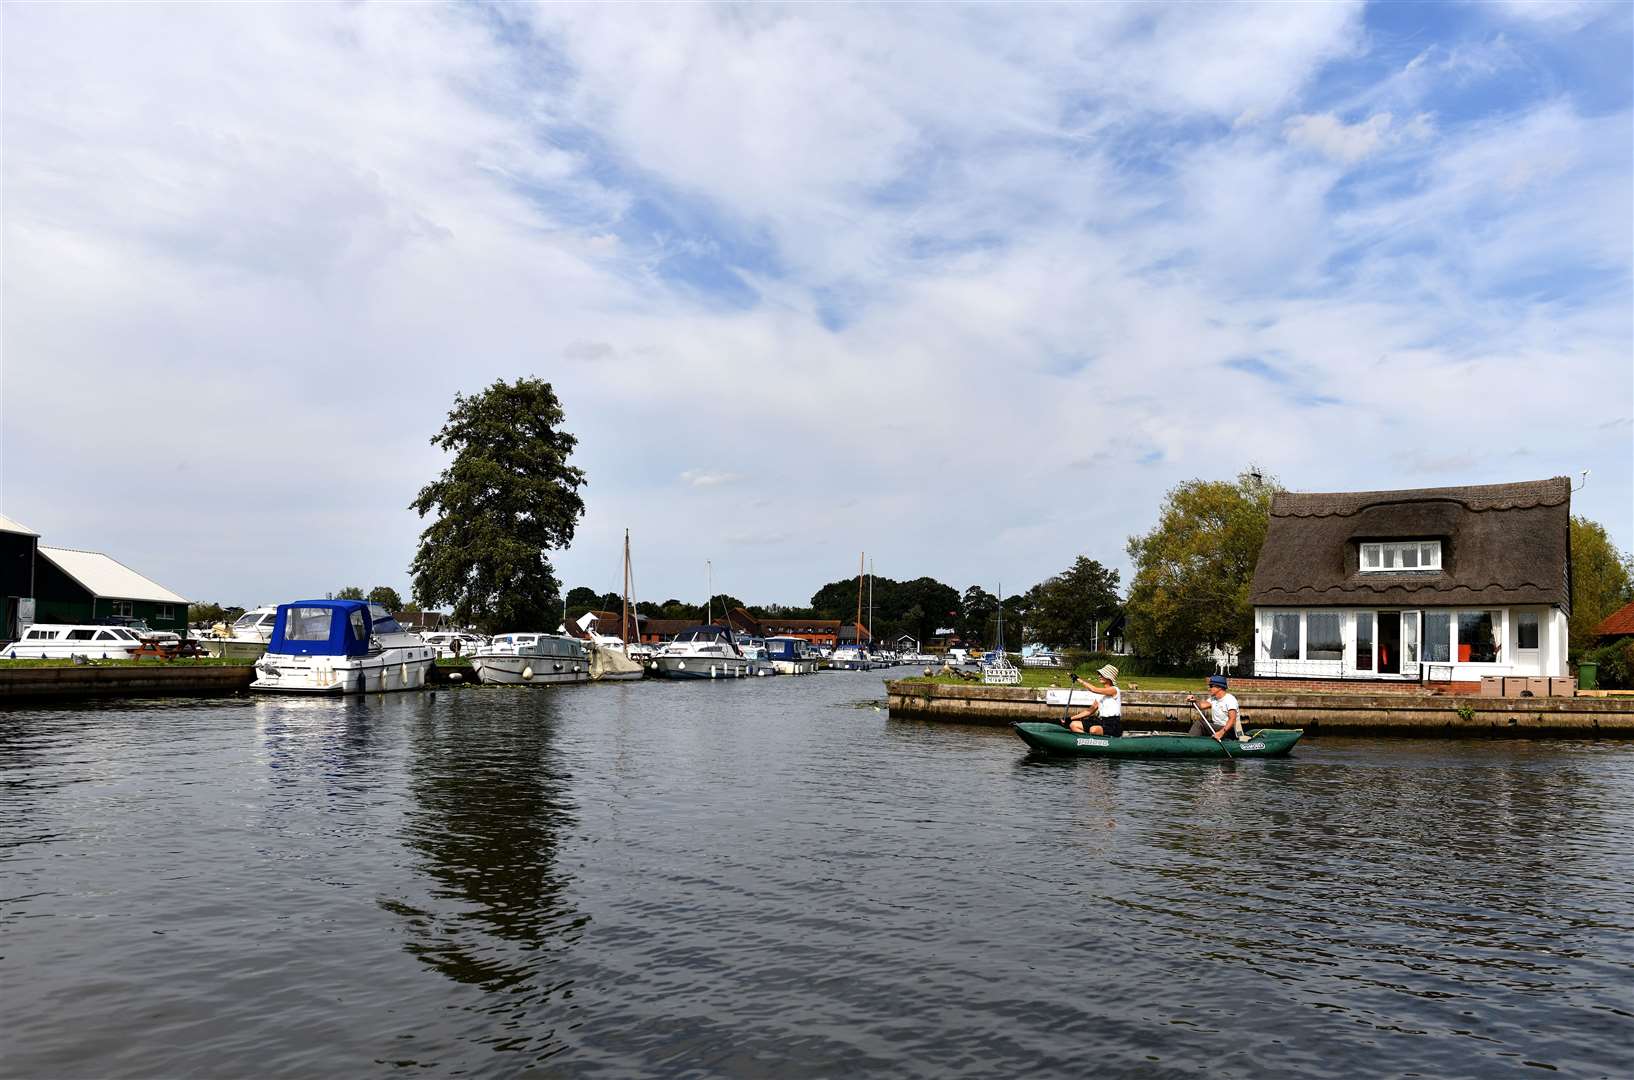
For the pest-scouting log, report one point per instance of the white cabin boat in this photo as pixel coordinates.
(341, 647)
(532, 659)
(60, 641)
(849, 658)
(792, 655)
(247, 638)
(702, 652)
(1041, 656)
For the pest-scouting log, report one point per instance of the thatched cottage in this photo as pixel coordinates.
(1432, 584)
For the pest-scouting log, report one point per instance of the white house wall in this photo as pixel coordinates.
(1548, 659)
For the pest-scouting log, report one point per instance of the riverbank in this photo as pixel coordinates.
(34, 681)
(1317, 714)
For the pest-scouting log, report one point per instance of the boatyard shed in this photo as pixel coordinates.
(1430, 584)
(18, 544)
(82, 586)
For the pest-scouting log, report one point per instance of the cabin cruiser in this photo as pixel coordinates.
(60, 641)
(701, 652)
(247, 638)
(1041, 656)
(453, 644)
(754, 651)
(341, 647)
(523, 659)
(792, 655)
(849, 658)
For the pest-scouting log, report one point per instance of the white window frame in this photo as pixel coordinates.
(165, 611)
(1427, 553)
(124, 609)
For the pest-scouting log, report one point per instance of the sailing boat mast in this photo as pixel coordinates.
(857, 637)
(870, 605)
(624, 612)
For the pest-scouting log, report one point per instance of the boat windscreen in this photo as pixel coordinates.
(307, 624)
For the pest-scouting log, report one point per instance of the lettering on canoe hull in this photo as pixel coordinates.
(1092, 742)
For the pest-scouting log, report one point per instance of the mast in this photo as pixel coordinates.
(870, 605)
(857, 637)
(624, 612)
(709, 605)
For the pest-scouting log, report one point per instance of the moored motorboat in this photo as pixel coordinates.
(702, 652)
(341, 647)
(532, 659)
(62, 641)
(246, 639)
(1054, 739)
(792, 655)
(608, 663)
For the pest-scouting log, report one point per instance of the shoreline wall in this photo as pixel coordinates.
(1317, 714)
(137, 680)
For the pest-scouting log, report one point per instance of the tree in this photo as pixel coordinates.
(210, 613)
(582, 597)
(1602, 580)
(386, 597)
(1068, 608)
(350, 592)
(1194, 569)
(507, 497)
(976, 610)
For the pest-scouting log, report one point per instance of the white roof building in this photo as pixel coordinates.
(106, 577)
(10, 526)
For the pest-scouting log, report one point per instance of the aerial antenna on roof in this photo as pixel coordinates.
(1584, 482)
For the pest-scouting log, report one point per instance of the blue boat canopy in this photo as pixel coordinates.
(322, 628)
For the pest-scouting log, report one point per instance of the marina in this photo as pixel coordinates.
(479, 880)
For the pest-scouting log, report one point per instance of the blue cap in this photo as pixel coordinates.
(1217, 680)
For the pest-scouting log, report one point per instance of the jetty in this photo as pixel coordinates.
(1317, 713)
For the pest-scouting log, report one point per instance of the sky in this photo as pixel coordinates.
(967, 287)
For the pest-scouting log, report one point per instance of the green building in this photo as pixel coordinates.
(83, 586)
(17, 546)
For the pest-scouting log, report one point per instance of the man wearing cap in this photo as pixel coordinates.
(1223, 719)
(1108, 707)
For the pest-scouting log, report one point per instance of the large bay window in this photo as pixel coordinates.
(1397, 555)
(1478, 637)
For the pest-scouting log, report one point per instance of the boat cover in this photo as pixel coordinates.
(322, 628)
(609, 661)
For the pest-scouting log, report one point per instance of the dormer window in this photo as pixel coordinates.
(1398, 555)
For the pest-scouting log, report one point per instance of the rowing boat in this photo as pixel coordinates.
(1055, 739)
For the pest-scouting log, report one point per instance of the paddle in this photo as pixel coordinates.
(1210, 725)
(1066, 710)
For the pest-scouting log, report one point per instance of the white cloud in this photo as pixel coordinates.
(267, 248)
(1348, 143)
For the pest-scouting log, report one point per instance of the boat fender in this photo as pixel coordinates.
(527, 673)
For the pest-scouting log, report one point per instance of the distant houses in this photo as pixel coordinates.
(1428, 584)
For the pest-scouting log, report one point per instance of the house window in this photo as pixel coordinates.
(1478, 636)
(165, 611)
(1437, 637)
(1323, 640)
(1383, 558)
(1284, 635)
(123, 609)
(1526, 630)
(1364, 641)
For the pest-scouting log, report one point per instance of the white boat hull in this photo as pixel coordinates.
(796, 667)
(530, 670)
(340, 675)
(232, 648)
(702, 667)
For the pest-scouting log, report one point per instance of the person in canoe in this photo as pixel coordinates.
(1223, 719)
(1106, 715)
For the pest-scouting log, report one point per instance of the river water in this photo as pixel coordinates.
(773, 877)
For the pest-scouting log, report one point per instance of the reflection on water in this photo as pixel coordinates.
(752, 879)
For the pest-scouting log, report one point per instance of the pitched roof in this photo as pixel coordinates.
(8, 525)
(1618, 623)
(103, 576)
(1501, 543)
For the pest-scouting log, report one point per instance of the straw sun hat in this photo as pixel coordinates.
(1109, 673)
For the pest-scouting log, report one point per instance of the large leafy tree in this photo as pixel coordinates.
(1194, 568)
(978, 614)
(507, 497)
(386, 597)
(1067, 608)
(350, 592)
(1602, 579)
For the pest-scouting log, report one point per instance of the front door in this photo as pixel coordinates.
(1409, 643)
(1389, 643)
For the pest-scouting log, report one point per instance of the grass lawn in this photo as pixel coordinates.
(192, 661)
(1037, 677)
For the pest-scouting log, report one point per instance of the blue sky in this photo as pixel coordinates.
(967, 286)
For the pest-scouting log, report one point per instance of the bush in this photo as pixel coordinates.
(1082, 661)
(1616, 662)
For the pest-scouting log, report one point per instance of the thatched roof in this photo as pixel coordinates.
(1500, 544)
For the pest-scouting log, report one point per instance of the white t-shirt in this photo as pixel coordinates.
(1110, 703)
(1221, 708)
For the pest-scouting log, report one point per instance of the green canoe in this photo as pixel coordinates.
(1055, 739)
